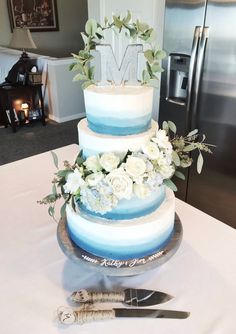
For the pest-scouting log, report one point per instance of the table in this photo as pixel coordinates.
(10, 92)
(36, 277)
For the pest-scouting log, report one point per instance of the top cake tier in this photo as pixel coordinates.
(118, 110)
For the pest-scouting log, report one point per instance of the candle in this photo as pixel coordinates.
(25, 107)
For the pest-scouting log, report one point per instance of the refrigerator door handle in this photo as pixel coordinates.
(192, 66)
(199, 66)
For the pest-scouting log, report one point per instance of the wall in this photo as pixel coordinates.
(72, 15)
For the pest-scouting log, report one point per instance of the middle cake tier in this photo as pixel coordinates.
(93, 143)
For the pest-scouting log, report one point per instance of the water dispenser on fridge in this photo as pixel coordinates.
(177, 78)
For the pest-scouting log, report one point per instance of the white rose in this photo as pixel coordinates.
(141, 190)
(121, 183)
(151, 150)
(94, 178)
(135, 166)
(74, 181)
(92, 163)
(162, 140)
(109, 161)
(166, 171)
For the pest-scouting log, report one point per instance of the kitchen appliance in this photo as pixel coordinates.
(198, 90)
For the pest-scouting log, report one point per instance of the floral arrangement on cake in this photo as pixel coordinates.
(94, 35)
(100, 182)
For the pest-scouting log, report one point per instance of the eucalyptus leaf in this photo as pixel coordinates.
(106, 21)
(175, 158)
(79, 160)
(149, 56)
(185, 163)
(63, 173)
(54, 189)
(91, 72)
(172, 126)
(71, 66)
(179, 175)
(91, 27)
(79, 77)
(127, 18)
(165, 126)
(156, 68)
(77, 67)
(160, 54)
(199, 163)
(75, 56)
(192, 133)
(142, 26)
(149, 69)
(85, 38)
(118, 23)
(152, 36)
(55, 159)
(86, 84)
(50, 198)
(132, 32)
(189, 148)
(170, 184)
(146, 76)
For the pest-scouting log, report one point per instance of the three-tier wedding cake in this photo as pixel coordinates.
(119, 121)
(118, 194)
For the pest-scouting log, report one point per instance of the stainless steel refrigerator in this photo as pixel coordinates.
(198, 90)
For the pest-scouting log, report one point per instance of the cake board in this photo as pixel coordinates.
(111, 267)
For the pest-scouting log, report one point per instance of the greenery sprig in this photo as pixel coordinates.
(176, 153)
(94, 34)
(184, 145)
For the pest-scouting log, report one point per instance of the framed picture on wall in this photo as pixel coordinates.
(37, 15)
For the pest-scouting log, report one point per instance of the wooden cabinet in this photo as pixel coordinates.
(20, 105)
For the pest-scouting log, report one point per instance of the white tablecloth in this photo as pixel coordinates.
(36, 277)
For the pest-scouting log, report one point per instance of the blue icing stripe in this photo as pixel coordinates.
(122, 252)
(118, 127)
(130, 209)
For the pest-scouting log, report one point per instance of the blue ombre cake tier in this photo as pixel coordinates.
(116, 126)
(123, 239)
(133, 208)
(93, 143)
(118, 110)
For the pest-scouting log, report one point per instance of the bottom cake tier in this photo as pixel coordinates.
(123, 239)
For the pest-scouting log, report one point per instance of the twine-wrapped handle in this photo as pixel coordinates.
(85, 296)
(68, 316)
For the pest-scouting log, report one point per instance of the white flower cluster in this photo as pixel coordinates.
(102, 181)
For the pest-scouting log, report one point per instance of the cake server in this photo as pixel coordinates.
(132, 297)
(68, 316)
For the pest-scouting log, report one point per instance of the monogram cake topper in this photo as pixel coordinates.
(110, 72)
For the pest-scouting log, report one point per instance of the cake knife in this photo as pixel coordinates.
(132, 297)
(68, 316)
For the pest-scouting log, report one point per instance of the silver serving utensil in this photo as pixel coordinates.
(68, 316)
(132, 297)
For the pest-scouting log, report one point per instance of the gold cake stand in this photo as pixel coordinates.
(112, 267)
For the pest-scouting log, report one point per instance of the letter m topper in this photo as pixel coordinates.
(110, 69)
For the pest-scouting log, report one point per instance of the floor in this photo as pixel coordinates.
(34, 138)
